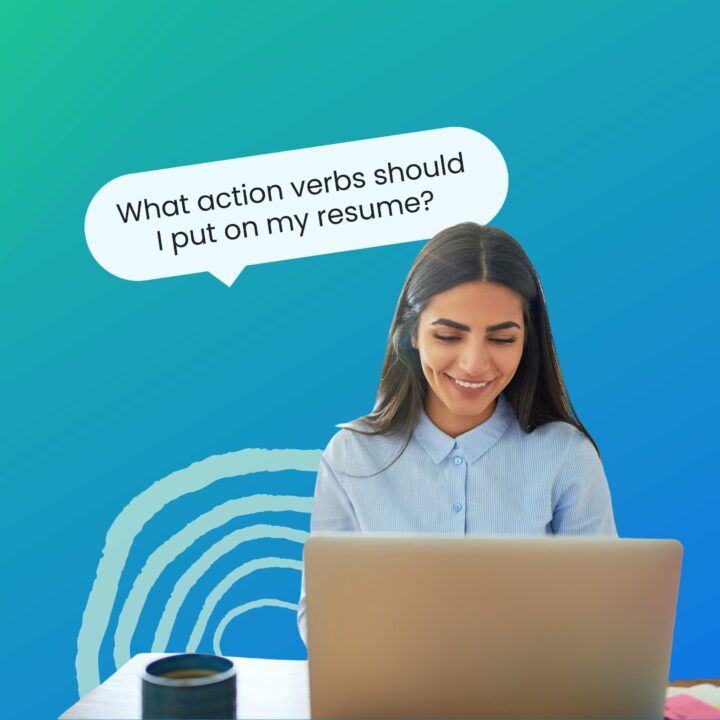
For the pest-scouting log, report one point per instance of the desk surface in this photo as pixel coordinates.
(265, 689)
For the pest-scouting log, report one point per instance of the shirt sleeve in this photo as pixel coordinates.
(332, 510)
(581, 496)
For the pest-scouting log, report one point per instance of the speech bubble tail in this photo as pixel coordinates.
(227, 275)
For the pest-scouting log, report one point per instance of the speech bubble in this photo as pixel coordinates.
(220, 217)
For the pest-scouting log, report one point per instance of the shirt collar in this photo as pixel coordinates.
(472, 444)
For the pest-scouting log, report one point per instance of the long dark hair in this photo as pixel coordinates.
(468, 253)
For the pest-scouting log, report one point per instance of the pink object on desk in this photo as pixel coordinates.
(686, 707)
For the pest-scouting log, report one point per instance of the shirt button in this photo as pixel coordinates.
(458, 461)
(457, 507)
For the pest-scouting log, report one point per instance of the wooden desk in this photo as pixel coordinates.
(265, 689)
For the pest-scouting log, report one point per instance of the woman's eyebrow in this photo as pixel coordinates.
(503, 326)
(491, 328)
(451, 323)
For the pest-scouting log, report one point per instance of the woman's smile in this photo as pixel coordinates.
(470, 387)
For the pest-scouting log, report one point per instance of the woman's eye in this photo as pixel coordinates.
(503, 341)
(447, 338)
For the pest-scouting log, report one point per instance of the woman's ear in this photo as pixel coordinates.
(413, 341)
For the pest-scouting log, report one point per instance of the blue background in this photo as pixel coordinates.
(606, 114)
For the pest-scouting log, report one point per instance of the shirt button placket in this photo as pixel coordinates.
(458, 488)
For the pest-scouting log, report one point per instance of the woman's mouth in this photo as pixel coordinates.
(467, 387)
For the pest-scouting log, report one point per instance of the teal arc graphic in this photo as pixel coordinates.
(246, 607)
(178, 543)
(204, 562)
(221, 588)
(142, 508)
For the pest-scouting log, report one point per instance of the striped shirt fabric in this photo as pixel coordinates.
(495, 479)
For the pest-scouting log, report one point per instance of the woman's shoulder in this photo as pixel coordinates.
(558, 429)
(356, 450)
(561, 438)
(565, 451)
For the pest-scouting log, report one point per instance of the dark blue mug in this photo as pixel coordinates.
(189, 686)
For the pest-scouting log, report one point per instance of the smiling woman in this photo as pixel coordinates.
(472, 431)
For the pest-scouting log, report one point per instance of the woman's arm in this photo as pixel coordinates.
(581, 497)
(332, 510)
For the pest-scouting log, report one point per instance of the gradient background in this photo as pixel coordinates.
(606, 114)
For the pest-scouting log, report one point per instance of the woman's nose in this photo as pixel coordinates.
(474, 360)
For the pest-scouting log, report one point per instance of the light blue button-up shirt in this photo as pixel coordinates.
(495, 479)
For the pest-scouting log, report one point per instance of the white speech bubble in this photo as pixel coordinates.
(221, 216)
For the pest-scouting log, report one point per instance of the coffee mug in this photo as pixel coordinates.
(189, 686)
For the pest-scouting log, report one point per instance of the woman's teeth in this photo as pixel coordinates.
(464, 384)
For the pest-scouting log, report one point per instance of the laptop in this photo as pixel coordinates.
(477, 627)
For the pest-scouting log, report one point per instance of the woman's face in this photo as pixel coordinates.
(470, 339)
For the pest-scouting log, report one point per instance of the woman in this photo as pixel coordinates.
(473, 431)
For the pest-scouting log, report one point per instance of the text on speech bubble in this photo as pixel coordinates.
(222, 216)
